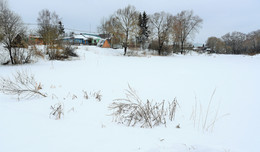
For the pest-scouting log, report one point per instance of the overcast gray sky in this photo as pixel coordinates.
(219, 16)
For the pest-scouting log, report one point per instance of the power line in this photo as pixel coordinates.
(70, 29)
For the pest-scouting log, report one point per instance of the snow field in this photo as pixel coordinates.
(87, 126)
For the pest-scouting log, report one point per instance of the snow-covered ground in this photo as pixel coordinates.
(87, 126)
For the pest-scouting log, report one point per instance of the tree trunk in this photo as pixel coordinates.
(125, 49)
(159, 50)
(126, 41)
(182, 47)
(10, 53)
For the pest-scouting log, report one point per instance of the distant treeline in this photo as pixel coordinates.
(236, 43)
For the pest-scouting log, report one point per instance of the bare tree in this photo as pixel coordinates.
(108, 26)
(234, 42)
(126, 21)
(216, 45)
(2, 6)
(185, 26)
(161, 24)
(11, 28)
(252, 42)
(49, 24)
(1, 36)
(1, 24)
(104, 26)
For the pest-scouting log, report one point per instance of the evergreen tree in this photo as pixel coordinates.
(61, 28)
(143, 28)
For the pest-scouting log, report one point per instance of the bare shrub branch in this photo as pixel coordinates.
(22, 84)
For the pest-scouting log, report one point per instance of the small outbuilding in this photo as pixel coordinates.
(104, 44)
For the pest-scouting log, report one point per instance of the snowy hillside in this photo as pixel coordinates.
(231, 116)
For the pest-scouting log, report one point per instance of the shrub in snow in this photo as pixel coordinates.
(37, 52)
(19, 56)
(55, 53)
(57, 111)
(132, 111)
(61, 52)
(22, 84)
(85, 94)
(96, 95)
(22, 55)
(68, 50)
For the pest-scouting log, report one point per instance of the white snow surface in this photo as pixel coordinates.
(25, 125)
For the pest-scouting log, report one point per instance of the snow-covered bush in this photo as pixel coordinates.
(19, 56)
(4, 57)
(22, 55)
(133, 111)
(22, 84)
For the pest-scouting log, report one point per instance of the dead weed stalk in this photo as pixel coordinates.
(132, 111)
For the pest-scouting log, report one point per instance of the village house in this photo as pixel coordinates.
(83, 38)
(34, 39)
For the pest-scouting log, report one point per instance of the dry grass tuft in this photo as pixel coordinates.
(57, 111)
(205, 119)
(132, 111)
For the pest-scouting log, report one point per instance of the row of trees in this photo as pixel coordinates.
(236, 43)
(159, 30)
(15, 39)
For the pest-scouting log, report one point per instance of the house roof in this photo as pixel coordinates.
(85, 36)
(92, 35)
(78, 36)
(35, 36)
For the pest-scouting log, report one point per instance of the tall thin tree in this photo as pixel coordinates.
(185, 26)
(161, 23)
(126, 21)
